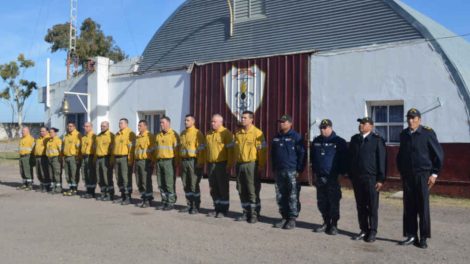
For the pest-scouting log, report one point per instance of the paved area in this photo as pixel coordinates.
(42, 228)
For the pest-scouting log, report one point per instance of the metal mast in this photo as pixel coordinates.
(72, 55)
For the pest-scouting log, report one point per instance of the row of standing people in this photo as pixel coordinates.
(125, 152)
(364, 161)
(244, 152)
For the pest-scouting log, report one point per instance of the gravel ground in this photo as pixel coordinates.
(41, 228)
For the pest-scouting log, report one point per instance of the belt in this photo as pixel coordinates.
(87, 156)
(218, 162)
(70, 156)
(191, 158)
(120, 156)
(102, 157)
(25, 155)
(166, 159)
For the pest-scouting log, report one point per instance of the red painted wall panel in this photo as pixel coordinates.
(286, 91)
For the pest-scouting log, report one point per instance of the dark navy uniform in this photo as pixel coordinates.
(367, 167)
(420, 156)
(288, 159)
(329, 160)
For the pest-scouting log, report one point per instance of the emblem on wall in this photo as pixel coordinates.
(244, 89)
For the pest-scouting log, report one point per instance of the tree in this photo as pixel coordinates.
(90, 43)
(16, 91)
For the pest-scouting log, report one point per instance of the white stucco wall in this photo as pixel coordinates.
(53, 115)
(342, 82)
(129, 95)
(116, 93)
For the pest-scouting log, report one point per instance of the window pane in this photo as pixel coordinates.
(396, 113)
(379, 114)
(156, 124)
(382, 131)
(395, 133)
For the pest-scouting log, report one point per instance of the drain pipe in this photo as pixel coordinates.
(230, 9)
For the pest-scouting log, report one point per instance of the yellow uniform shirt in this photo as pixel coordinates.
(104, 144)
(88, 144)
(72, 143)
(166, 145)
(250, 146)
(40, 146)
(219, 146)
(145, 146)
(124, 143)
(192, 144)
(54, 147)
(26, 145)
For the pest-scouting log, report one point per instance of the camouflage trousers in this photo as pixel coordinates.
(287, 193)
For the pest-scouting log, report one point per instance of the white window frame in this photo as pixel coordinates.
(386, 103)
(151, 125)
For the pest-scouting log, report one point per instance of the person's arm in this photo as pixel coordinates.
(437, 158)
(231, 149)
(200, 149)
(131, 146)
(381, 163)
(261, 150)
(300, 151)
(343, 157)
(176, 149)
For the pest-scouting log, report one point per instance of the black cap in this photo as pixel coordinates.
(413, 112)
(365, 120)
(325, 123)
(285, 118)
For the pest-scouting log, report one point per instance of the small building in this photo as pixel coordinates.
(312, 59)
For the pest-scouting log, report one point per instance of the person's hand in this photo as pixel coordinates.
(378, 186)
(431, 181)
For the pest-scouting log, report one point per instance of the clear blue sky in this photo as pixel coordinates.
(132, 23)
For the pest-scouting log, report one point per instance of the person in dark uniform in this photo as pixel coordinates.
(367, 169)
(288, 161)
(328, 154)
(419, 161)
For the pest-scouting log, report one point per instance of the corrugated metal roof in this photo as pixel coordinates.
(199, 30)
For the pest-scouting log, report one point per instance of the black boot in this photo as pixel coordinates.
(145, 202)
(126, 200)
(281, 223)
(290, 224)
(409, 240)
(333, 228)
(321, 228)
(243, 217)
(123, 196)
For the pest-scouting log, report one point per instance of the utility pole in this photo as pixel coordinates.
(72, 54)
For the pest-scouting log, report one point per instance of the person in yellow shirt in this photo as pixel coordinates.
(40, 159)
(166, 154)
(123, 151)
(87, 151)
(54, 153)
(104, 168)
(144, 158)
(71, 152)
(219, 158)
(192, 161)
(25, 149)
(250, 154)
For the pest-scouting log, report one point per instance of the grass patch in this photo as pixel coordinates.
(9, 156)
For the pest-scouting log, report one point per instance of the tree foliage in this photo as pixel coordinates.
(17, 90)
(91, 42)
